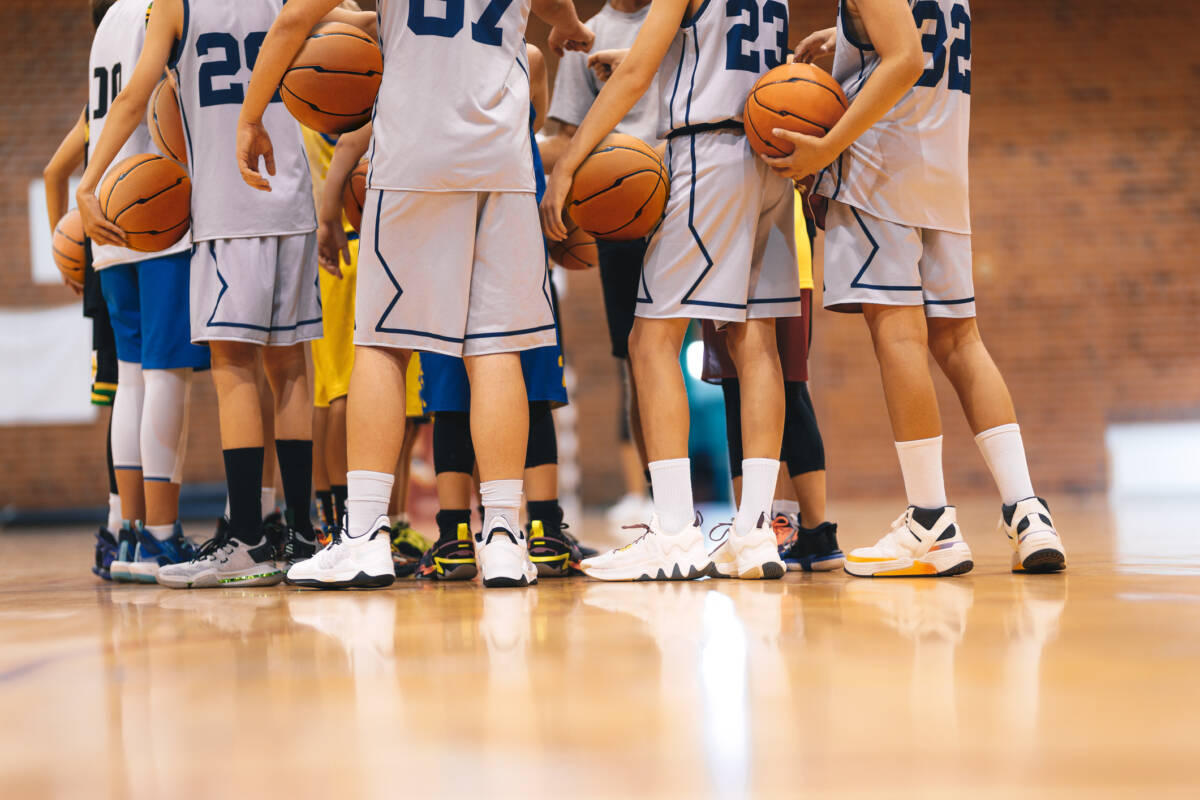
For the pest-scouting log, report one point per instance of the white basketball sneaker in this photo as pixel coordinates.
(753, 556)
(1036, 545)
(922, 541)
(655, 555)
(503, 557)
(349, 562)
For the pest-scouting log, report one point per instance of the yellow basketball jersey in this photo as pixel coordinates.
(319, 147)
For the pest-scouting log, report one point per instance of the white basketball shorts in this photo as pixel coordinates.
(870, 260)
(261, 290)
(459, 273)
(726, 248)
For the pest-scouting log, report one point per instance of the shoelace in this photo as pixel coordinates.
(210, 547)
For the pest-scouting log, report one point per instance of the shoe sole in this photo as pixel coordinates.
(552, 570)
(676, 574)
(462, 572)
(822, 565)
(360, 581)
(503, 582)
(918, 569)
(1043, 561)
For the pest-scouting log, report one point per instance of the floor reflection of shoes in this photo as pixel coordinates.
(918, 608)
(1037, 609)
(362, 622)
(231, 610)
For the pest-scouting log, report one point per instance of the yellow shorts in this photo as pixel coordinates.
(333, 354)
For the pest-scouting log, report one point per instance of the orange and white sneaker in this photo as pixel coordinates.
(922, 541)
(1036, 545)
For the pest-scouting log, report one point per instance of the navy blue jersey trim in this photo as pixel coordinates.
(690, 22)
(854, 284)
(212, 249)
(847, 29)
(761, 301)
(687, 112)
(961, 302)
(500, 334)
(675, 90)
(177, 50)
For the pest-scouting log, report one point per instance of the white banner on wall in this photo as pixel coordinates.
(41, 254)
(46, 366)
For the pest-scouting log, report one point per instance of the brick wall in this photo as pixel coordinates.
(1085, 211)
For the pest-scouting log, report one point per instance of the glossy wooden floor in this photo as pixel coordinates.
(1084, 683)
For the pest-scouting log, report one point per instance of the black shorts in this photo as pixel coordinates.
(620, 271)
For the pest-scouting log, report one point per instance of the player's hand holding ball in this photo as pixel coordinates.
(787, 116)
(553, 201)
(97, 228)
(253, 143)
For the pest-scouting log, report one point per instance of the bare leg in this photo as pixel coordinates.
(755, 353)
(235, 375)
(335, 442)
(375, 409)
(287, 373)
(499, 415)
(810, 494)
(900, 337)
(266, 403)
(399, 506)
(662, 398)
(541, 483)
(635, 479)
(959, 351)
(320, 471)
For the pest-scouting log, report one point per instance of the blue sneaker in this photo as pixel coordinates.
(814, 549)
(118, 569)
(106, 552)
(152, 554)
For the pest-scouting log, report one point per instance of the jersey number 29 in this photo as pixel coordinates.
(227, 67)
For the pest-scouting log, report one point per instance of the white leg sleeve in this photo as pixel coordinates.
(127, 416)
(164, 422)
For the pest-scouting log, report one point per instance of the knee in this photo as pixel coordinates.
(239, 355)
(284, 363)
(949, 337)
(896, 328)
(652, 339)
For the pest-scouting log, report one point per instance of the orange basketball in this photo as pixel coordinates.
(165, 123)
(355, 194)
(68, 246)
(150, 198)
(620, 190)
(796, 97)
(331, 86)
(577, 251)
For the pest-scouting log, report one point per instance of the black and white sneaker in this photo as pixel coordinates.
(503, 558)
(1036, 544)
(360, 562)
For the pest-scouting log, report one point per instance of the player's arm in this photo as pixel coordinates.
(57, 174)
(125, 112)
(567, 32)
(284, 40)
(331, 235)
(817, 44)
(604, 63)
(539, 85)
(891, 29)
(626, 86)
(363, 20)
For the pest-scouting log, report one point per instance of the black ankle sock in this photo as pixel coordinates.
(295, 471)
(448, 521)
(243, 479)
(339, 504)
(649, 483)
(548, 511)
(325, 508)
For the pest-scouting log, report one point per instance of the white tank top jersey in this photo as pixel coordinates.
(453, 108)
(717, 56)
(911, 166)
(115, 50)
(213, 61)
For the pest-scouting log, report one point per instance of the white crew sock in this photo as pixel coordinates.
(268, 501)
(921, 466)
(671, 480)
(758, 489)
(501, 504)
(1004, 452)
(790, 508)
(161, 532)
(114, 513)
(367, 497)
(163, 421)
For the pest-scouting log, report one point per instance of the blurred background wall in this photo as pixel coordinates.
(1085, 156)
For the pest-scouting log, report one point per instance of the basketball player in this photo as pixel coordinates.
(252, 282)
(460, 165)
(725, 251)
(898, 250)
(575, 89)
(800, 489)
(70, 154)
(333, 353)
(446, 393)
(144, 293)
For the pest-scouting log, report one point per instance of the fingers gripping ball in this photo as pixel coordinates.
(620, 190)
(331, 85)
(165, 123)
(577, 251)
(796, 97)
(354, 194)
(150, 198)
(68, 246)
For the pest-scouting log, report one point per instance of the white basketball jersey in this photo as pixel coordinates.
(911, 166)
(115, 50)
(717, 56)
(453, 108)
(213, 61)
